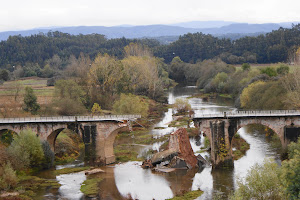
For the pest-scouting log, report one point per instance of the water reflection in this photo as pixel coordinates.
(259, 150)
(70, 185)
(204, 182)
(133, 181)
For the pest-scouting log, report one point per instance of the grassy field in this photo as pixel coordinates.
(39, 86)
(12, 94)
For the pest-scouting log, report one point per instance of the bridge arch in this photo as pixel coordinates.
(263, 123)
(110, 140)
(276, 125)
(52, 137)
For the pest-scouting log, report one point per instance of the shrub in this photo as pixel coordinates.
(26, 150)
(96, 109)
(219, 81)
(4, 75)
(182, 105)
(269, 71)
(8, 177)
(290, 171)
(283, 69)
(69, 107)
(69, 98)
(263, 95)
(237, 136)
(3, 155)
(30, 101)
(261, 182)
(48, 155)
(246, 67)
(131, 104)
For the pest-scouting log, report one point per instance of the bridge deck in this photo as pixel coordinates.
(249, 113)
(69, 119)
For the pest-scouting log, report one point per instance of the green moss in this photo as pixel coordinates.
(241, 147)
(70, 170)
(159, 127)
(149, 139)
(180, 122)
(189, 195)
(201, 151)
(206, 142)
(229, 96)
(125, 155)
(29, 185)
(164, 146)
(90, 187)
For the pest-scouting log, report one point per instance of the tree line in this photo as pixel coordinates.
(276, 46)
(36, 50)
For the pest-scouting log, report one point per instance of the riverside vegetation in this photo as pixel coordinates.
(119, 74)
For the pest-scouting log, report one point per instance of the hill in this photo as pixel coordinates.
(216, 28)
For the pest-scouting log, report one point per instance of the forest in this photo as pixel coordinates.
(276, 46)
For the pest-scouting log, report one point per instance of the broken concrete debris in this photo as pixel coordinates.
(178, 155)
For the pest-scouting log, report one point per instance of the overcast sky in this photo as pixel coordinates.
(27, 14)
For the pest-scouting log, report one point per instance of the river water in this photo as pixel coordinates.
(129, 180)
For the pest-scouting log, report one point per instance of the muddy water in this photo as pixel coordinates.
(128, 180)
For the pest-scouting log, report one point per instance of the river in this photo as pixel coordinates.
(129, 180)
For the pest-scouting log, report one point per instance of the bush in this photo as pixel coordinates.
(26, 150)
(219, 81)
(182, 105)
(283, 69)
(30, 101)
(96, 109)
(131, 104)
(263, 95)
(69, 98)
(48, 155)
(3, 155)
(4, 75)
(269, 71)
(69, 107)
(290, 171)
(246, 67)
(261, 182)
(8, 177)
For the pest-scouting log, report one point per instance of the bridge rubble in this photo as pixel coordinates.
(178, 155)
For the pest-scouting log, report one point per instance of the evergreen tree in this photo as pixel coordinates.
(30, 101)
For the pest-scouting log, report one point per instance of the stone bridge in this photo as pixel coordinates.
(98, 132)
(221, 127)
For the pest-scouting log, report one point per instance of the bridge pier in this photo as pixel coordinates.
(220, 129)
(221, 134)
(99, 140)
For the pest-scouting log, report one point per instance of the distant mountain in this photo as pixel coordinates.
(243, 28)
(151, 31)
(203, 24)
